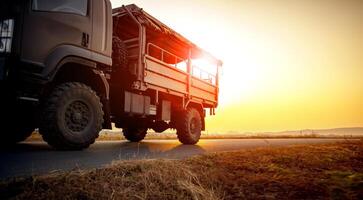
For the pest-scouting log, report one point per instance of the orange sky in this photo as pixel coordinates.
(288, 64)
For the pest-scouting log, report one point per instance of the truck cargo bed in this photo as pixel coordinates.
(163, 60)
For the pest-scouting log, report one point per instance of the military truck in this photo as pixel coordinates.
(70, 68)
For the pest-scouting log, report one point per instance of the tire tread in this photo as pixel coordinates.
(50, 133)
(183, 126)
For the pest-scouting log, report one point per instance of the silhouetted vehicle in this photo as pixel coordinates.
(72, 67)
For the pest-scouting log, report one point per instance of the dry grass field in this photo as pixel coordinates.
(331, 171)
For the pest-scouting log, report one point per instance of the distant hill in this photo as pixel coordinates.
(351, 131)
(334, 132)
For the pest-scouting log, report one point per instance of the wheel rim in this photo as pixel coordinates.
(194, 126)
(77, 116)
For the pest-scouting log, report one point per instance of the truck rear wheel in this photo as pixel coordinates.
(72, 117)
(189, 127)
(134, 134)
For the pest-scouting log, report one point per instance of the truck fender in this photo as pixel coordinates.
(105, 100)
(102, 77)
(93, 77)
(63, 51)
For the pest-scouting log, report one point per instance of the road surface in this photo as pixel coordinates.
(35, 158)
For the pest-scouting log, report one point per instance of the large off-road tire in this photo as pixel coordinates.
(189, 126)
(72, 117)
(134, 134)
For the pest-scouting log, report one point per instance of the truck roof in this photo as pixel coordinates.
(157, 28)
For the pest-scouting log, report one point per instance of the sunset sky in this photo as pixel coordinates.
(288, 64)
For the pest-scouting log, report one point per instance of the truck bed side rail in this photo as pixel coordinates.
(179, 63)
(166, 71)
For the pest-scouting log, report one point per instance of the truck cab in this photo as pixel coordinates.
(45, 44)
(39, 36)
(72, 67)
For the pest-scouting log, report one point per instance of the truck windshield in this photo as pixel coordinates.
(78, 7)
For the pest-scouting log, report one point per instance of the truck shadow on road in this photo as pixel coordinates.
(164, 148)
(33, 158)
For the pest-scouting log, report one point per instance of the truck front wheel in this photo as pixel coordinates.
(134, 134)
(72, 117)
(189, 126)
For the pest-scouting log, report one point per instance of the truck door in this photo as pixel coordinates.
(50, 24)
(102, 27)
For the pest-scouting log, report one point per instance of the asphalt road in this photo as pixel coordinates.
(34, 158)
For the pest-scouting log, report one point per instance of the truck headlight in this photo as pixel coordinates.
(6, 35)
